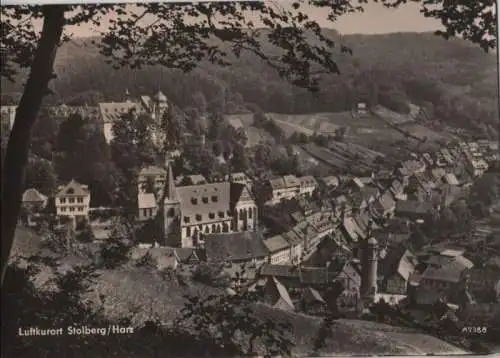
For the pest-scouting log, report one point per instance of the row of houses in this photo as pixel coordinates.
(71, 200)
(288, 187)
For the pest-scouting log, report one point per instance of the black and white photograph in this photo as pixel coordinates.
(277, 178)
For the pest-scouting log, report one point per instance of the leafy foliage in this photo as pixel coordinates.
(230, 321)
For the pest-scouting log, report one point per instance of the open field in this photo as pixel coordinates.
(378, 133)
(340, 161)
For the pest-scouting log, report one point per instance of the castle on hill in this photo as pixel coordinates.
(155, 106)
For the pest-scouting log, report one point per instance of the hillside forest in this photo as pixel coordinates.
(452, 79)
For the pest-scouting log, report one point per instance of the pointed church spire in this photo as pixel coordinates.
(171, 193)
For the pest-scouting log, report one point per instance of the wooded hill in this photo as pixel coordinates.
(453, 79)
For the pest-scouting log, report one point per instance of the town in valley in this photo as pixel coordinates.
(372, 214)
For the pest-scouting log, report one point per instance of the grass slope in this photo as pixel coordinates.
(356, 337)
(143, 293)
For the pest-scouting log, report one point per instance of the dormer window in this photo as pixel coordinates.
(70, 191)
(214, 199)
(194, 201)
(205, 200)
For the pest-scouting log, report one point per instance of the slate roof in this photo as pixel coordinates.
(312, 296)
(235, 122)
(451, 179)
(235, 246)
(438, 173)
(410, 166)
(279, 270)
(413, 206)
(33, 196)
(185, 253)
(305, 230)
(279, 291)
(307, 274)
(277, 183)
(239, 193)
(331, 180)
(163, 257)
(152, 170)
(239, 177)
(146, 200)
(160, 97)
(291, 181)
(451, 252)
(358, 182)
(73, 188)
(406, 265)
(276, 243)
(451, 272)
(353, 230)
(386, 202)
(292, 238)
(204, 199)
(112, 111)
(308, 180)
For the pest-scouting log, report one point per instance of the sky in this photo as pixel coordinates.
(375, 20)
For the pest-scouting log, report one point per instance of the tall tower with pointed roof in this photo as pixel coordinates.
(160, 104)
(369, 266)
(171, 208)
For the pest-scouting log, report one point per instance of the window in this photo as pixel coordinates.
(150, 212)
(79, 200)
(214, 198)
(63, 210)
(194, 201)
(145, 212)
(205, 200)
(71, 200)
(188, 231)
(171, 212)
(211, 216)
(186, 219)
(198, 217)
(71, 209)
(62, 200)
(250, 213)
(221, 214)
(80, 208)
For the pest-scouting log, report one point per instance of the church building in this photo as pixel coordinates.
(191, 212)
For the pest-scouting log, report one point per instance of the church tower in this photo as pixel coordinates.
(160, 104)
(369, 265)
(171, 210)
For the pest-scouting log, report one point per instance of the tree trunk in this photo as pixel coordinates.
(16, 158)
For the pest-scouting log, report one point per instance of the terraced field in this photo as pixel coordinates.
(380, 133)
